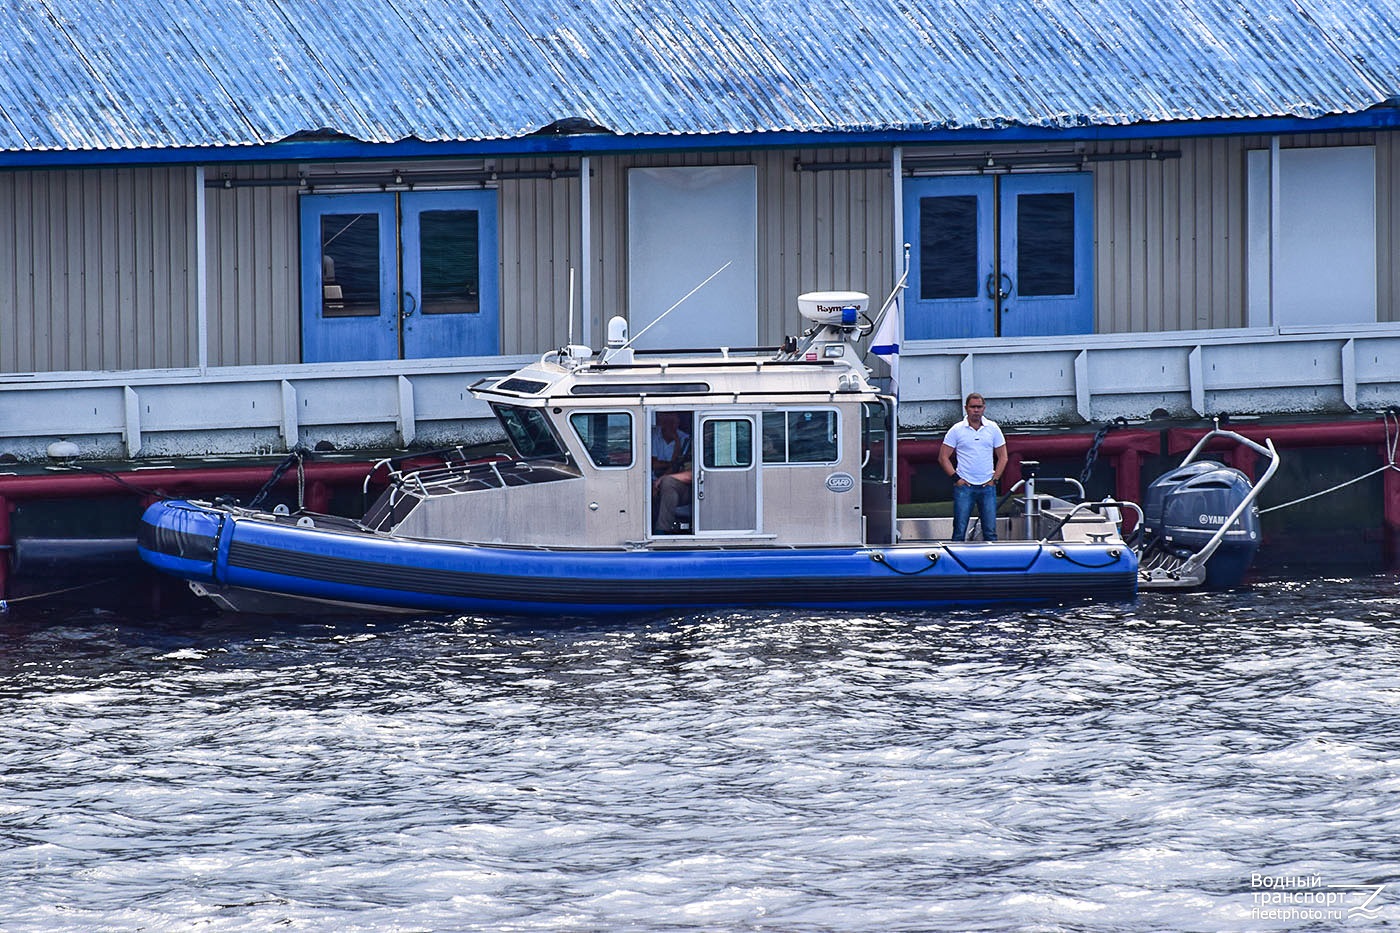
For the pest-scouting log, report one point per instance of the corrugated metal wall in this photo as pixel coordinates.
(254, 296)
(97, 269)
(830, 229)
(817, 230)
(1171, 236)
(541, 239)
(97, 266)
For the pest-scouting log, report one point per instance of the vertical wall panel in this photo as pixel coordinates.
(142, 289)
(1388, 226)
(108, 258)
(96, 267)
(540, 241)
(90, 333)
(254, 295)
(33, 266)
(265, 342)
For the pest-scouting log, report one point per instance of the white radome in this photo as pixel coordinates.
(831, 307)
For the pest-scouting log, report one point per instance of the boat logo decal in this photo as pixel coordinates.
(840, 482)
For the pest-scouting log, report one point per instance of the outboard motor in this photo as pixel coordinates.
(1161, 487)
(1193, 509)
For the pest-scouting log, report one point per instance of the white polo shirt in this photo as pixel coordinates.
(975, 449)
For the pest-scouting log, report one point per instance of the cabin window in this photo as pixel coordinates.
(606, 435)
(728, 443)
(529, 432)
(808, 436)
(641, 388)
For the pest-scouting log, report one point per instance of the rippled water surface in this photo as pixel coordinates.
(1171, 765)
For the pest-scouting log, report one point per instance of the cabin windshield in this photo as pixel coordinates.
(530, 432)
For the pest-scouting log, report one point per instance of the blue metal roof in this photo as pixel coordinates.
(105, 76)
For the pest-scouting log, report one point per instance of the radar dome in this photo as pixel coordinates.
(841, 309)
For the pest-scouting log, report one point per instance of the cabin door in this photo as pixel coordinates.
(399, 275)
(726, 475)
(999, 255)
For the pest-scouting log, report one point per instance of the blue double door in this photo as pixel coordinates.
(399, 275)
(999, 255)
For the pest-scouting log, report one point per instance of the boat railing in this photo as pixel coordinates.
(1070, 480)
(395, 476)
(1096, 507)
(480, 475)
(445, 478)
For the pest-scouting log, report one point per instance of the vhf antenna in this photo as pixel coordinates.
(617, 350)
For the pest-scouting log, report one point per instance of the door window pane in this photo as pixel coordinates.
(774, 437)
(728, 444)
(1045, 244)
(350, 265)
(948, 247)
(449, 246)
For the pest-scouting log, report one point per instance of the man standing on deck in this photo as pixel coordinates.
(981, 451)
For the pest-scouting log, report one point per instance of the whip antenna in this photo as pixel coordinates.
(673, 307)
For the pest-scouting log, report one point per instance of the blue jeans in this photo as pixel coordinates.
(986, 499)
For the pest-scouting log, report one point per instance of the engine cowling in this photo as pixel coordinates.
(1196, 507)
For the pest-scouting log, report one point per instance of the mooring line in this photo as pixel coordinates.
(5, 604)
(1392, 440)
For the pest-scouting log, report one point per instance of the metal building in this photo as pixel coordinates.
(238, 225)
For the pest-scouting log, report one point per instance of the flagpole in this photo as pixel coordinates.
(889, 304)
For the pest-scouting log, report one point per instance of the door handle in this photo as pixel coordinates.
(994, 286)
(994, 289)
(408, 308)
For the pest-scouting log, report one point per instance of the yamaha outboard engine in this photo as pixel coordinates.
(1156, 495)
(1195, 506)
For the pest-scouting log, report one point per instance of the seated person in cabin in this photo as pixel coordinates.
(670, 471)
(667, 440)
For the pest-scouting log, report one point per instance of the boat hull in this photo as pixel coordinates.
(222, 550)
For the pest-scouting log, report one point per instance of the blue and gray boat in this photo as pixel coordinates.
(647, 482)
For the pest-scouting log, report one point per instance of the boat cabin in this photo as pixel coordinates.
(673, 449)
